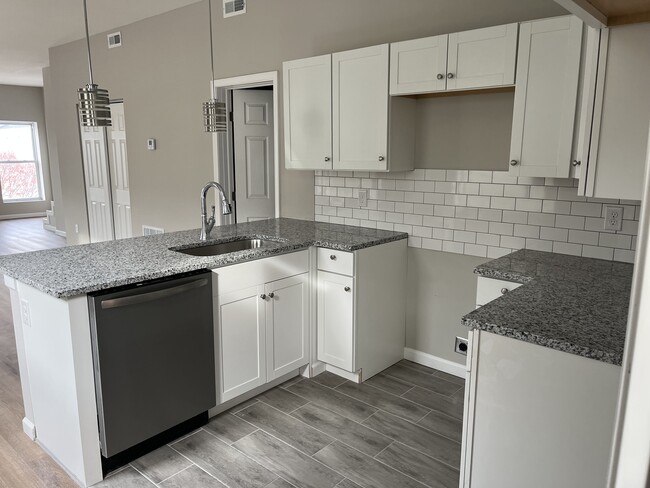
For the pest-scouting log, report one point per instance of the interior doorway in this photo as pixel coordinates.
(246, 156)
(106, 177)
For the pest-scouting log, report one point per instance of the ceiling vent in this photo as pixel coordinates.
(114, 40)
(233, 7)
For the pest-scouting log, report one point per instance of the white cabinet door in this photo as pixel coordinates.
(360, 109)
(482, 58)
(307, 85)
(546, 94)
(241, 342)
(418, 66)
(336, 320)
(287, 325)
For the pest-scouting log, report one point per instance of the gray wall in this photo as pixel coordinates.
(25, 103)
(162, 73)
(441, 289)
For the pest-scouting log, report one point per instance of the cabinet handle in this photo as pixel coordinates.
(381, 158)
(450, 75)
(327, 158)
(347, 288)
(514, 162)
(271, 295)
(333, 257)
(576, 162)
(504, 291)
(263, 296)
(440, 76)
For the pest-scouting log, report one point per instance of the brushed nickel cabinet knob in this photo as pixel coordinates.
(514, 162)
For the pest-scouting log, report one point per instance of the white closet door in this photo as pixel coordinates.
(418, 66)
(546, 95)
(482, 58)
(307, 90)
(120, 173)
(360, 109)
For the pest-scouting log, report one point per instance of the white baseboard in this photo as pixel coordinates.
(29, 428)
(435, 362)
(22, 216)
(60, 233)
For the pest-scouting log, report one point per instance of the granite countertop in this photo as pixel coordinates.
(76, 270)
(572, 304)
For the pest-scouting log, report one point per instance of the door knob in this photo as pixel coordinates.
(450, 75)
(576, 162)
(440, 76)
(327, 158)
(381, 158)
(263, 296)
(514, 162)
(347, 288)
(271, 295)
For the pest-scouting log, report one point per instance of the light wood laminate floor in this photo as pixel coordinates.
(22, 462)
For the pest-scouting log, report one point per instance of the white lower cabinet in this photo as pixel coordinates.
(361, 304)
(261, 322)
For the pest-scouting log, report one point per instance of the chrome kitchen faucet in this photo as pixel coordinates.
(208, 223)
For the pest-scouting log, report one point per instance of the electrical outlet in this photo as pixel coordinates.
(613, 218)
(24, 313)
(461, 346)
(363, 198)
(76, 228)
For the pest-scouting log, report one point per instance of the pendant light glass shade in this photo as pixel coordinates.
(94, 103)
(214, 111)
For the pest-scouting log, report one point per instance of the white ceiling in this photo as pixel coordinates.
(31, 27)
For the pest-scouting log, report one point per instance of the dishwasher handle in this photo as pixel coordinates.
(153, 295)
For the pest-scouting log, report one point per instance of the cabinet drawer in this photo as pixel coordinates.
(489, 289)
(340, 262)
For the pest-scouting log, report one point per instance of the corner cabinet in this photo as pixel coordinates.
(361, 304)
(261, 322)
(338, 114)
(546, 97)
(480, 58)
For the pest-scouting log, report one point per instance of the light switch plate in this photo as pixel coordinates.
(363, 198)
(613, 218)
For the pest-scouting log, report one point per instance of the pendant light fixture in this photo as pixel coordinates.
(94, 105)
(214, 111)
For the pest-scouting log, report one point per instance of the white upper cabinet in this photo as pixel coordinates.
(418, 66)
(548, 69)
(360, 108)
(307, 85)
(469, 60)
(482, 58)
(617, 159)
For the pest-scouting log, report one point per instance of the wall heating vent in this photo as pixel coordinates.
(114, 40)
(233, 7)
(148, 230)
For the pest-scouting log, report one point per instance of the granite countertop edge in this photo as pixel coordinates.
(289, 235)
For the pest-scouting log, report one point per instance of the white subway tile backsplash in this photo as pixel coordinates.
(479, 213)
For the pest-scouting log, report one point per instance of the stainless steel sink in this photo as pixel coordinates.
(227, 247)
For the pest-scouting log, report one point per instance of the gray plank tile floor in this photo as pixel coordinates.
(401, 428)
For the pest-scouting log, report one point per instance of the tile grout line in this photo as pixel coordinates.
(184, 469)
(197, 465)
(375, 456)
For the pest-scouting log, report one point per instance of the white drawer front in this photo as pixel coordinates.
(340, 262)
(489, 289)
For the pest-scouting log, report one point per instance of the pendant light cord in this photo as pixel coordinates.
(212, 90)
(90, 62)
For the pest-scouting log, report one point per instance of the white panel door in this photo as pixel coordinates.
(418, 66)
(254, 164)
(546, 95)
(335, 326)
(242, 342)
(287, 325)
(360, 109)
(307, 85)
(120, 173)
(98, 186)
(482, 58)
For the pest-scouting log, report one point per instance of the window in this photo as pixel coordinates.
(20, 163)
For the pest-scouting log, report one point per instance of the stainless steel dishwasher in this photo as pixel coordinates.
(153, 353)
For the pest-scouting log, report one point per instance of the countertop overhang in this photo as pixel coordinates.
(77, 270)
(572, 304)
